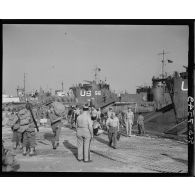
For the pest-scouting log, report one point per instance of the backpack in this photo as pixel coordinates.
(24, 116)
(59, 108)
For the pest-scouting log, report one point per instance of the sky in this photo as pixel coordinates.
(127, 54)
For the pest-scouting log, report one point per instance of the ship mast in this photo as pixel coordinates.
(163, 62)
(24, 84)
(96, 71)
(62, 86)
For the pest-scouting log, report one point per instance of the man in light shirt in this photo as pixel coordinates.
(129, 119)
(84, 135)
(109, 113)
(112, 124)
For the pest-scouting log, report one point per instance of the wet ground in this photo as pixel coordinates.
(134, 154)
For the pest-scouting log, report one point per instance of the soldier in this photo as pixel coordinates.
(93, 113)
(73, 117)
(77, 113)
(99, 113)
(15, 125)
(97, 129)
(27, 128)
(84, 135)
(129, 119)
(9, 163)
(109, 113)
(70, 112)
(140, 124)
(112, 124)
(56, 124)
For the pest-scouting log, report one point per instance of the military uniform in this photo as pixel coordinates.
(140, 123)
(84, 135)
(9, 163)
(93, 114)
(56, 125)
(17, 135)
(77, 113)
(112, 124)
(27, 128)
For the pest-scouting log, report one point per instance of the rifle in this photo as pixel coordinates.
(35, 122)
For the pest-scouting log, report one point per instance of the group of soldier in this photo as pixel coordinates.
(23, 128)
(87, 121)
(90, 121)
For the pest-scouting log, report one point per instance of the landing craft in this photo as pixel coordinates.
(172, 92)
(99, 94)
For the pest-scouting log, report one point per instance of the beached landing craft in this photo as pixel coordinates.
(99, 94)
(171, 93)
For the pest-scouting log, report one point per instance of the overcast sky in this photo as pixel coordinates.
(127, 54)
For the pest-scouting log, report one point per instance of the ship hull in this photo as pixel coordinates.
(180, 96)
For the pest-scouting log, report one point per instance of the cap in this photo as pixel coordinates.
(85, 107)
(113, 114)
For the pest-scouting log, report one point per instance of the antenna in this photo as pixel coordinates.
(163, 61)
(96, 71)
(62, 86)
(24, 84)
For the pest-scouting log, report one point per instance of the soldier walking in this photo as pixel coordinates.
(112, 124)
(140, 124)
(84, 135)
(27, 127)
(129, 118)
(56, 124)
(15, 125)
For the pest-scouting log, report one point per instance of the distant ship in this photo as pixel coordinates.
(99, 94)
(96, 92)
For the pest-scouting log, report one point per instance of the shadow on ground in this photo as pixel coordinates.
(49, 137)
(71, 147)
(99, 139)
(176, 159)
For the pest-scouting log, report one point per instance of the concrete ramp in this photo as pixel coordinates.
(158, 113)
(178, 129)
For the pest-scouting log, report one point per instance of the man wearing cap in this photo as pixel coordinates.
(27, 128)
(112, 124)
(129, 119)
(93, 113)
(84, 135)
(15, 125)
(56, 124)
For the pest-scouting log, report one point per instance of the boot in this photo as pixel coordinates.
(20, 145)
(31, 152)
(57, 144)
(24, 151)
(14, 145)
